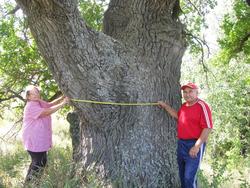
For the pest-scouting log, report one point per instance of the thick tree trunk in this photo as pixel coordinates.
(127, 146)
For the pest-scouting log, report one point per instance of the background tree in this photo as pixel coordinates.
(230, 93)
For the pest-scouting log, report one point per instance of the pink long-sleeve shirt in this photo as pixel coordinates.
(36, 131)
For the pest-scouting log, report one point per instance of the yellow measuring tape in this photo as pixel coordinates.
(116, 103)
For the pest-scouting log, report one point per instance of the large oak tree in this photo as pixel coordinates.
(136, 59)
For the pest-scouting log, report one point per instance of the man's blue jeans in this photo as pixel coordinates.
(188, 166)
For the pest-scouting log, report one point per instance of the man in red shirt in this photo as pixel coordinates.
(194, 125)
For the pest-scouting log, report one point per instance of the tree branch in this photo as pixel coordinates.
(241, 43)
(202, 43)
(12, 132)
(176, 10)
(14, 95)
(248, 2)
(195, 7)
(13, 11)
(17, 94)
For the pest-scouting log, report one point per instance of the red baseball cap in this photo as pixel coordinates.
(190, 85)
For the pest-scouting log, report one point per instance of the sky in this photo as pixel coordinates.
(214, 19)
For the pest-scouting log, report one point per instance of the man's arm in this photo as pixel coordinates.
(203, 138)
(169, 109)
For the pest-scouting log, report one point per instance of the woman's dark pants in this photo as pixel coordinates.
(38, 162)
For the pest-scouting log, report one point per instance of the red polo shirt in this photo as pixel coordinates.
(193, 119)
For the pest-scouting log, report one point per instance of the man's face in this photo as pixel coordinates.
(190, 95)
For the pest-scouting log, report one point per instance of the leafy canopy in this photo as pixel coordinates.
(236, 27)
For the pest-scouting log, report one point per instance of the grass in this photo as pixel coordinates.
(11, 167)
(60, 170)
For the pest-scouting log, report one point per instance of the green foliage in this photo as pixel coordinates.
(230, 89)
(236, 27)
(92, 13)
(231, 106)
(21, 63)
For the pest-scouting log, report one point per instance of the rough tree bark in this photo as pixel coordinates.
(137, 59)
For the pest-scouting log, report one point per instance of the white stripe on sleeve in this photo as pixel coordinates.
(205, 113)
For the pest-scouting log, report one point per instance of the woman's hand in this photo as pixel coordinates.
(54, 108)
(66, 100)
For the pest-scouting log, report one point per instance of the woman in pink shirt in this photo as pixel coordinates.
(36, 130)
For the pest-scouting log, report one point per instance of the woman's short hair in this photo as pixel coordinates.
(28, 89)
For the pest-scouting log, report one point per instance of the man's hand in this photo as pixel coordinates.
(202, 139)
(194, 151)
(168, 108)
(162, 104)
